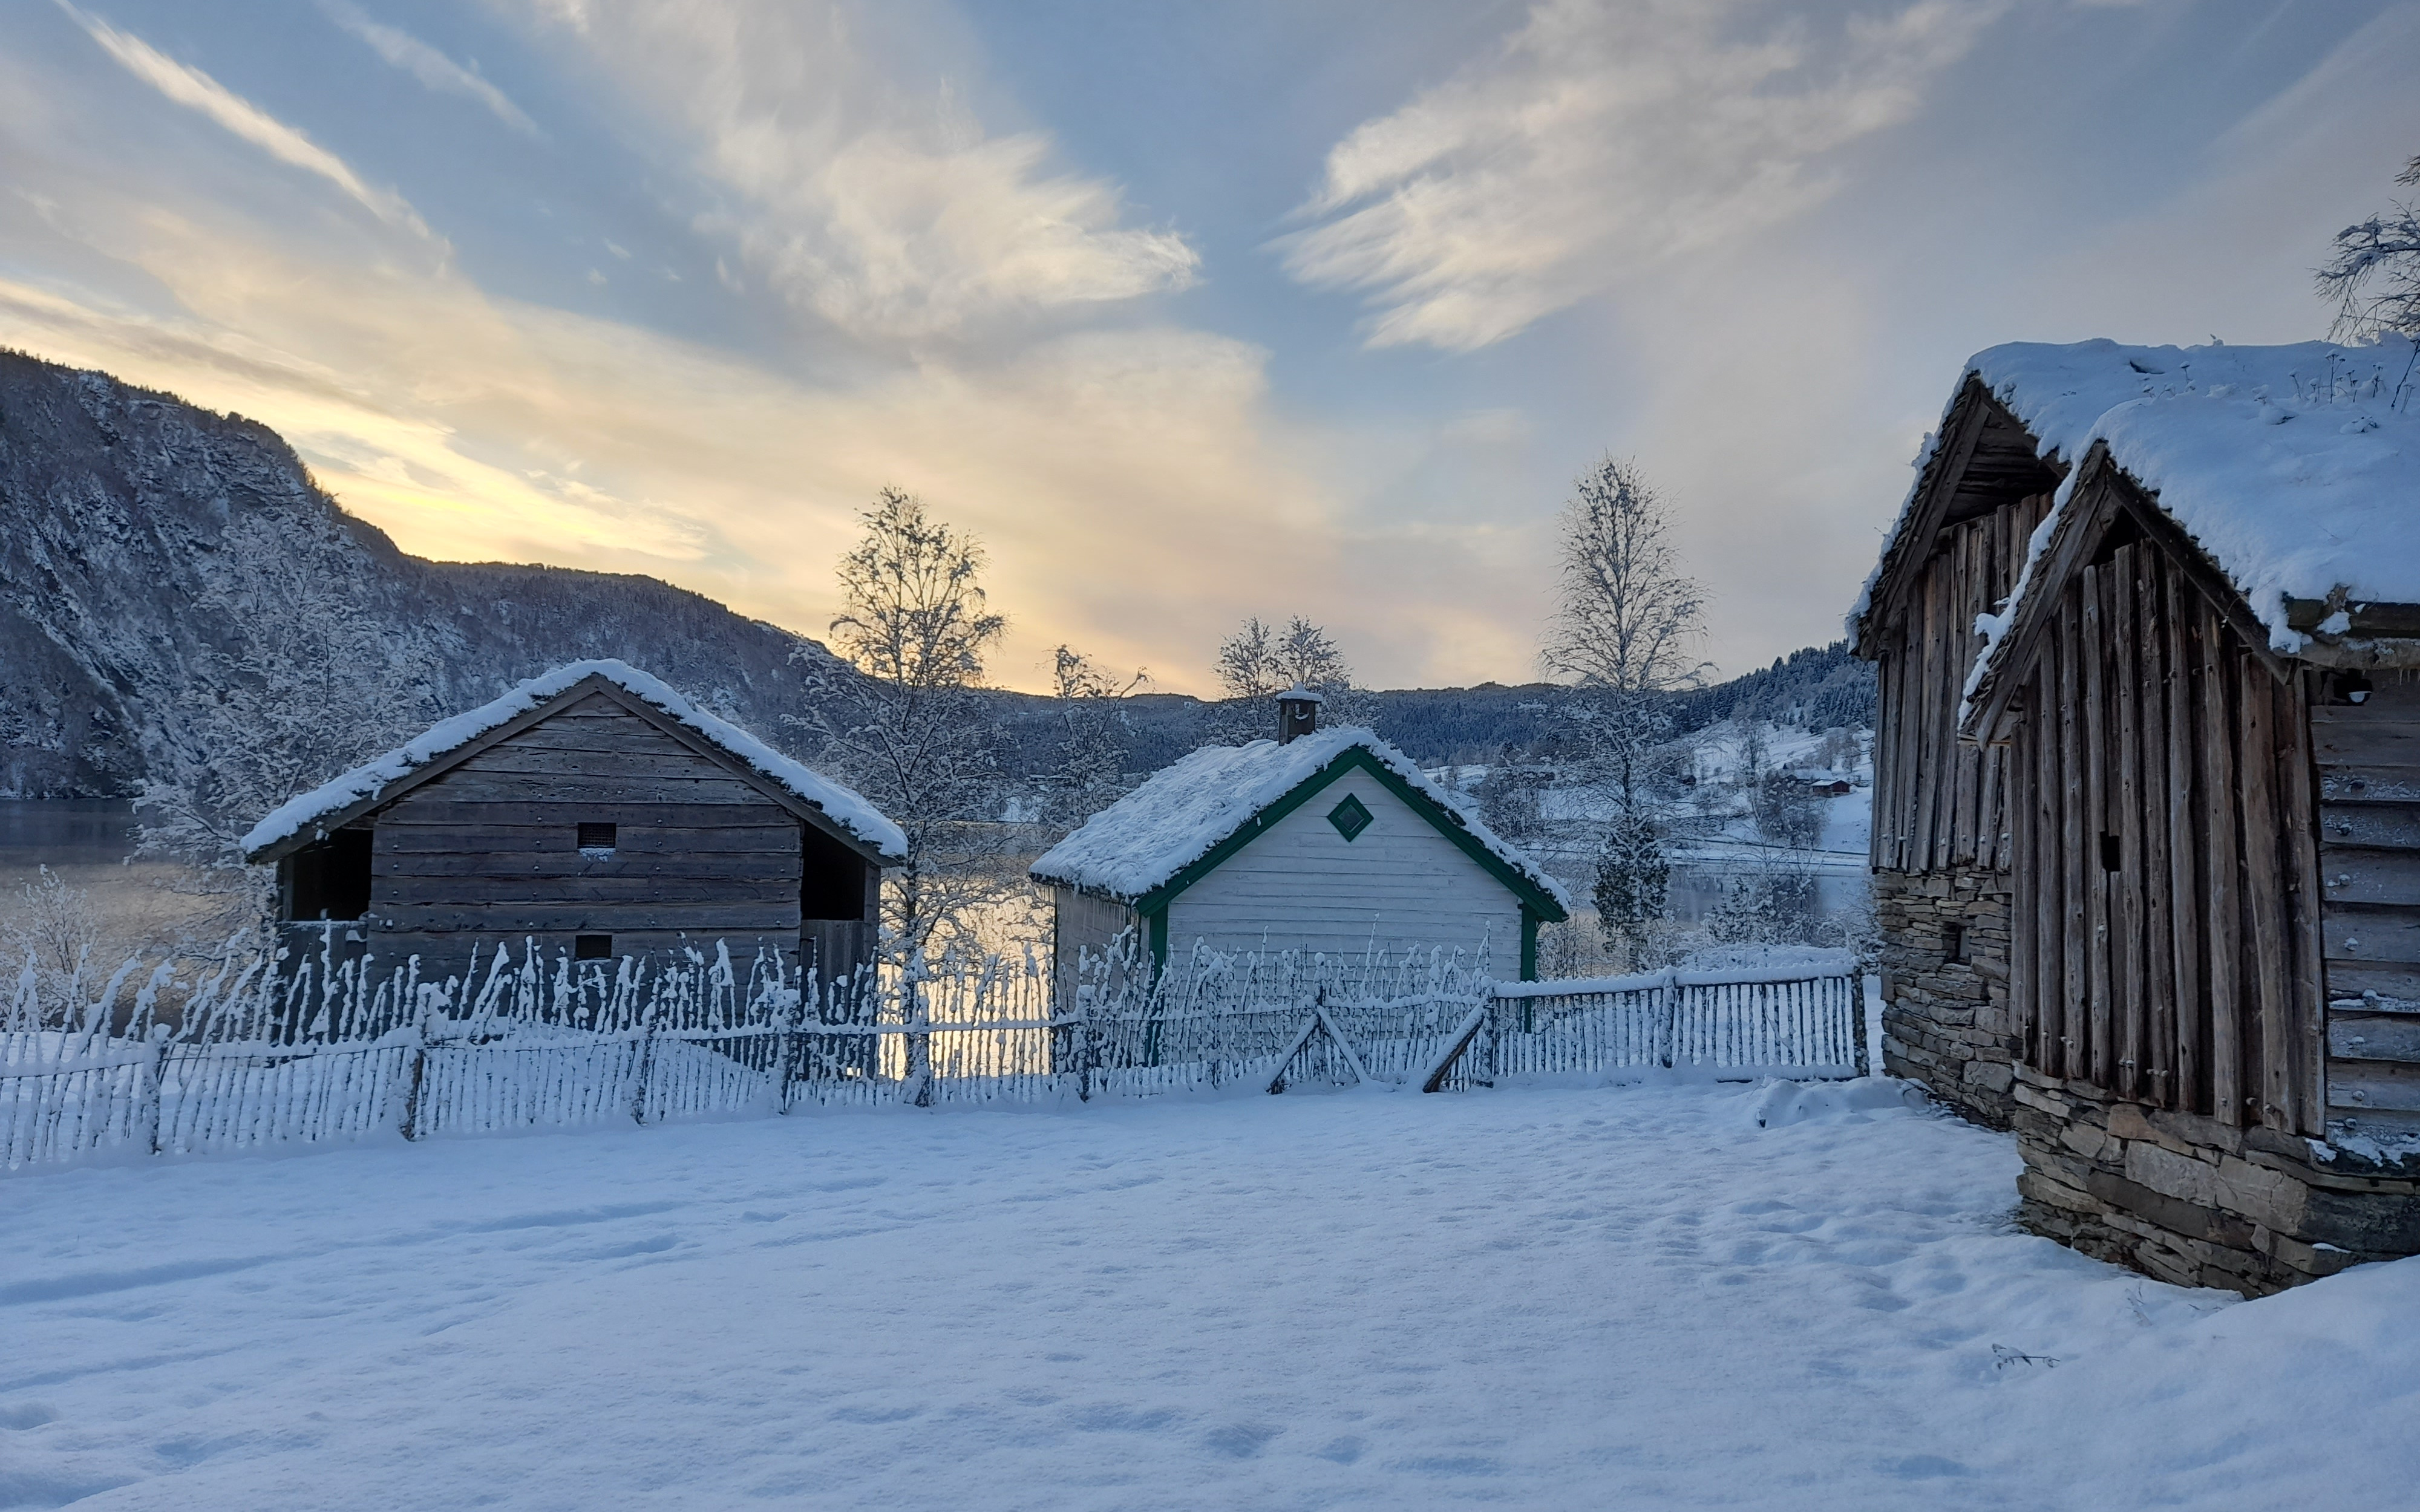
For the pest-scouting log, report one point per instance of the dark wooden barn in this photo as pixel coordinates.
(597, 812)
(2146, 814)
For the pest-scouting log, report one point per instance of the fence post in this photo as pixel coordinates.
(786, 1064)
(1669, 1028)
(647, 1064)
(1088, 1048)
(158, 1079)
(1856, 983)
(419, 1075)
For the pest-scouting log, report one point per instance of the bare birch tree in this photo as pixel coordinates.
(896, 717)
(1260, 660)
(1089, 774)
(1623, 632)
(2374, 276)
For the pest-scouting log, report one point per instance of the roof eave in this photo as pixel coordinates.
(2103, 491)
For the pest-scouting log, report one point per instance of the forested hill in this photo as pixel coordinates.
(147, 544)
(1817, 688)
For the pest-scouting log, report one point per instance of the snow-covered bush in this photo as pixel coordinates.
(47, 940)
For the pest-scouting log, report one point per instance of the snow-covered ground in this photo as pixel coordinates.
(1634, 1296)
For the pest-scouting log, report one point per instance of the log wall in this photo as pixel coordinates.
(2368, 759)
(488, 851)
(1941, 834)
(2165, 944)
(2213, 943)
(1939, 803)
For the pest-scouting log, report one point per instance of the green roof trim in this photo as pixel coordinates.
(1535, 901)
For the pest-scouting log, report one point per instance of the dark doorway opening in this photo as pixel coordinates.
(329, 879)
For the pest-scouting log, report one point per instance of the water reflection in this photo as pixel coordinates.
(64, 832)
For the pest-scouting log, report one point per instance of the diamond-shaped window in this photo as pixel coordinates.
(1350, 817)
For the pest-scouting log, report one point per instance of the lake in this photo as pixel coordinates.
(61, 833)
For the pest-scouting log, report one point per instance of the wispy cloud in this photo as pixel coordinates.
(888, 211)
(197, 91)
(1599, 140)
(433, 69)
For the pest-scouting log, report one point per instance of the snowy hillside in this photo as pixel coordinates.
(136, 530)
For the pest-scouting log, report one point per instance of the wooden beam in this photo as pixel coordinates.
(2049, 866)
(1926, 771)
(2153, 961)
(2220, 878)
(2264, 896)
(2024, 980)
(2298, 800)
(1965, 761)
(2075, 1055)
(2133, 880)
(2187, 1009)
(2099, 985)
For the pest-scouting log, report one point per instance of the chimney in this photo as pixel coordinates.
(1298, 713)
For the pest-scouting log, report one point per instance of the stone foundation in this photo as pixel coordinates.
(1946, 1018)
(2199, 1203)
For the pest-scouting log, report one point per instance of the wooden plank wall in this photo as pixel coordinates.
(1939, 803)
(2165, 947)
(490, 849)
(2368, 758)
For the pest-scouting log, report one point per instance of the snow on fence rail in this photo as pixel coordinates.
(250, 1053)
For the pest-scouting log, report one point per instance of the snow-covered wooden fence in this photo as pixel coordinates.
(247, 1053)
(1802, 1020)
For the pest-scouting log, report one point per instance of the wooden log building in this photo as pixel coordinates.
(595, 811)
(2146, 814)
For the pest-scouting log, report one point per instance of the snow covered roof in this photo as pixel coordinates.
(368, 784)
(1141, 842)
(2296, 468)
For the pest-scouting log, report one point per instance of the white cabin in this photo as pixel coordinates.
(1327, 840)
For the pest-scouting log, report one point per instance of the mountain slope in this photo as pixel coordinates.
(143, 540)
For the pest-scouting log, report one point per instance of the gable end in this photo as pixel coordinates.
(1535, 902)
(594, 684)
(1987, 460)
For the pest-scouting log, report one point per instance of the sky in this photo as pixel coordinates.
(1187, 312)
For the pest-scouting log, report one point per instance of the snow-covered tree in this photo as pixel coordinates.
(896, 717)
(52, 929)
(302, 685)
(2374, 275)
(1623, 635)
(1627, 619)
(1512, 799)
(1753, 756)
(1786, 811)
(1632, 885)
(1260, 660)
(1088, 774)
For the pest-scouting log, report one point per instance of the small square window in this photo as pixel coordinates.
(1350, 817)
(591, 948)
(596, 836)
